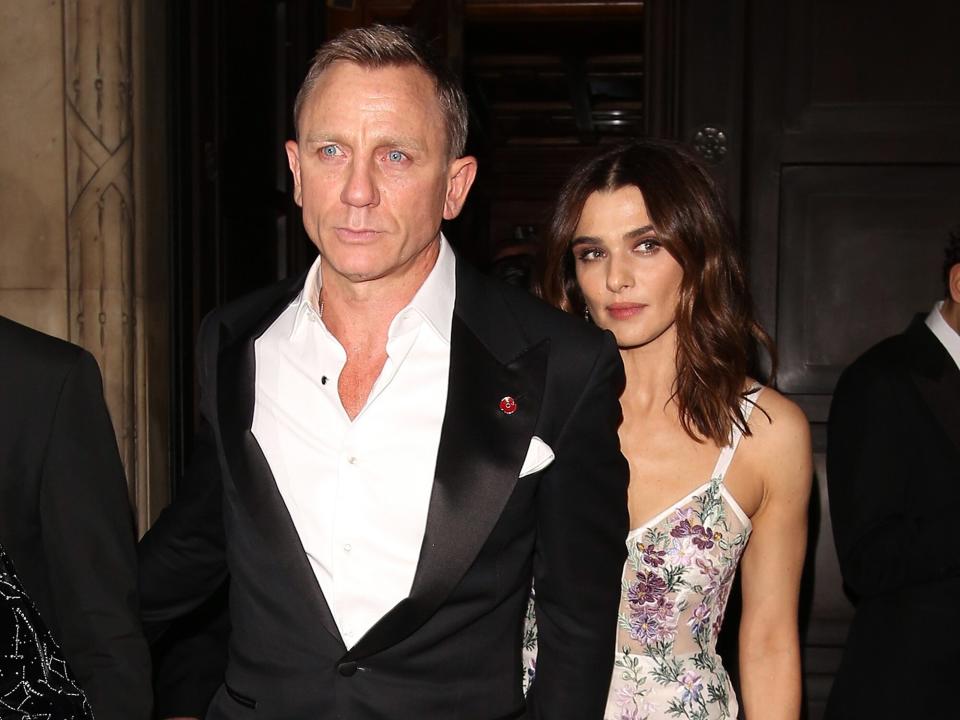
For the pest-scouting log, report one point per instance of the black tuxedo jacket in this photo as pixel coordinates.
(893, 468)
(65, 518)
(451, 650)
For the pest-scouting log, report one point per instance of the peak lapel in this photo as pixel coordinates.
(937, 378)
(481, 452)
(250, 471)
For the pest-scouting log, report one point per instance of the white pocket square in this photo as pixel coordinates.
(539, 455)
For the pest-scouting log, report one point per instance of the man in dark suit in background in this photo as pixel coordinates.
(893, 468)
(396, 444)
(65, 517)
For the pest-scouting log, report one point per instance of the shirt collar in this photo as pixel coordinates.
(433, 301)
(945, 334)
(435, 298)
(307, 303)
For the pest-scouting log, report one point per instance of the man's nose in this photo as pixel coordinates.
(360, 188)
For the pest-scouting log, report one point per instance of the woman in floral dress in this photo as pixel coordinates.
(720, 467)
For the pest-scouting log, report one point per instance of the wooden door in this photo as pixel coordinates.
(852, 182)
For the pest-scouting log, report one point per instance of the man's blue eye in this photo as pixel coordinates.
(330, 150)
(395, 156)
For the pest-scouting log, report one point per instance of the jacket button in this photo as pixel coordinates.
(347, 669)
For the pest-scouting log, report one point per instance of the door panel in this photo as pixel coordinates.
(851, 184)
(860, 253)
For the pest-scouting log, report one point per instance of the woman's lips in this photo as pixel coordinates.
(624, 311)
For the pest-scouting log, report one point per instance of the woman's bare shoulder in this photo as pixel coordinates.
(774, 409)
(780, 435)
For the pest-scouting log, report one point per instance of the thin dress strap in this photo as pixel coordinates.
(726, 455)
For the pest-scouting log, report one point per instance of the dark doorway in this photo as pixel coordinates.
(235, 68)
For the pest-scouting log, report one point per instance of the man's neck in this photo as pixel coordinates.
(358, 314)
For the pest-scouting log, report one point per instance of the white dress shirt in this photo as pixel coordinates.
(945, 334)
(358, 491)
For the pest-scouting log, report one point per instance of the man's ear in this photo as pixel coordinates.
(460, 179)
(953, 283)
(293, 160)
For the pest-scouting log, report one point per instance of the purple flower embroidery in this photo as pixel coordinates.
(702, 537)
(700, 618)
(624, 696)
(651, 556)
(692, 687)
(682, 513)
(645, 626)
(682, 552)
(650, 623)
(709, 569)
(648, 588)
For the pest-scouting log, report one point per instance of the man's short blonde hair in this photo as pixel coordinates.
(380, 46)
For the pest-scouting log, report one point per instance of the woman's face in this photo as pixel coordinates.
(630, 282)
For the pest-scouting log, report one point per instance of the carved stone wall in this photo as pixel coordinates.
(79, 260)
(100, 208)
(33, 272)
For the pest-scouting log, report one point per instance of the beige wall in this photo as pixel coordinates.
(82, 207)
(33, 268)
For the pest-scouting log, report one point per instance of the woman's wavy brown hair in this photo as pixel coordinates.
(717, 335)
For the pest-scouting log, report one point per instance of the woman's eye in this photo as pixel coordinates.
(648, 246)
(587, 254)
(396, 156)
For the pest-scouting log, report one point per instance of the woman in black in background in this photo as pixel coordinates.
(35, 681)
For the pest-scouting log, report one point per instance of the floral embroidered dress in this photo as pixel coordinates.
(676, 581)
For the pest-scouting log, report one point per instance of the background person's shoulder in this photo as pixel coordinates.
(31, 349)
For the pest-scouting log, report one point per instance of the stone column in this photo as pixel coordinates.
(81, 259)
(99, 202)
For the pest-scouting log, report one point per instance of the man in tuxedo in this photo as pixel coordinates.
(893, 467)
(65, 517)
(398, 444)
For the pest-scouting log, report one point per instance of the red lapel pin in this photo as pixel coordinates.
(508, 406)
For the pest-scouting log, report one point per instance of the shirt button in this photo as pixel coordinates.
(352, 460)
(347, 547)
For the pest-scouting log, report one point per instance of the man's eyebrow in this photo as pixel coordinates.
(316, 137)
(401, 141)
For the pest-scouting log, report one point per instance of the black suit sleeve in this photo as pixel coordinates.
(885, 539)
(190, 660)
(182, 557)
(582, 525)
(88, 541)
